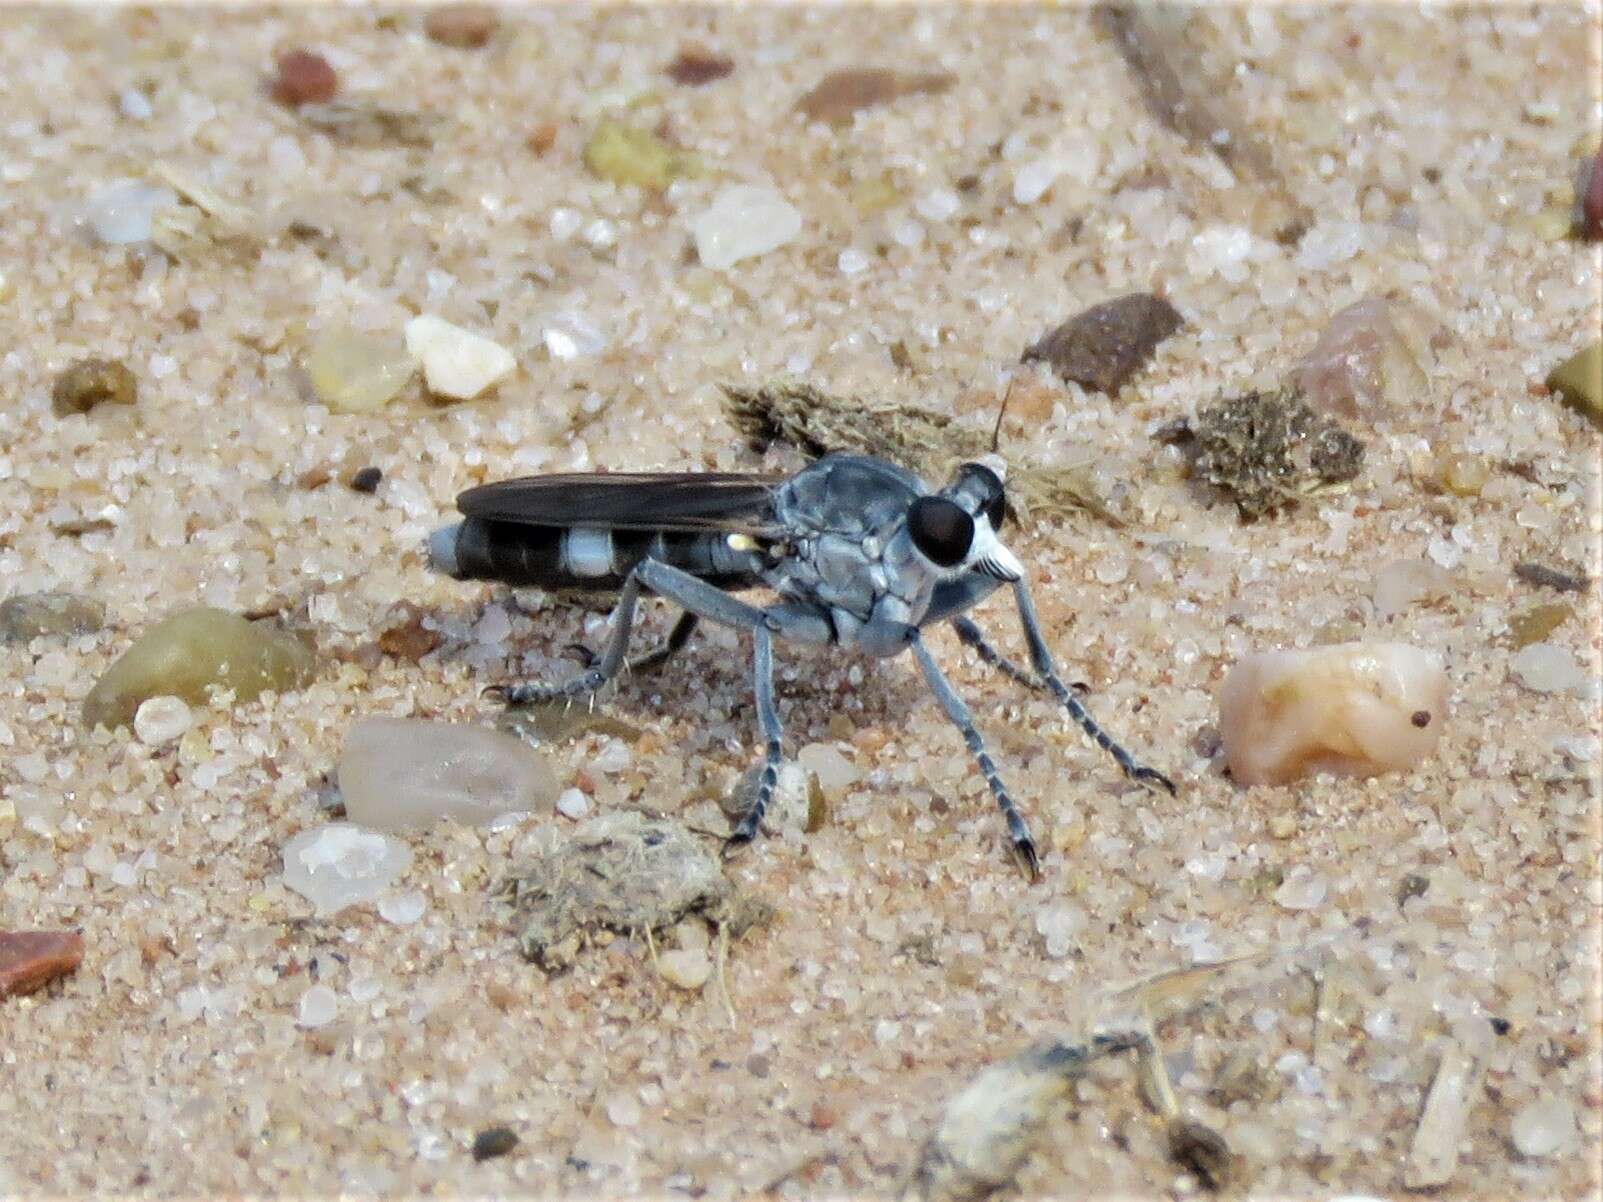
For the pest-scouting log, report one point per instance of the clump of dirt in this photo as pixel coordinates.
(621, 872)
(1267, 450)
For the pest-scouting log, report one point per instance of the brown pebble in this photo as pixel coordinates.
(314, 477)
(304, 77)
(1104, 346)
(695, 65)
(1420, 718)
(463, 26)
(1592, 201)
(91, 382)
(493, 1142)
(822, 1116)
(1542, 576)
(30, 960)
(840, 94)
(366, 479)
(542, 137)
(405, 637)
(502, 996)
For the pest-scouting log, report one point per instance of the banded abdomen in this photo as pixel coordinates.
(569, 558)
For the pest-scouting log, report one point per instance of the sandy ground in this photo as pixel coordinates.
(907, 952)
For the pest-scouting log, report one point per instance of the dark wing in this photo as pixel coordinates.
(733, 501)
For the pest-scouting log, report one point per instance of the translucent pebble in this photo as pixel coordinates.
(456, 363)
(835, 772)
(402, 908)
(356, 372)
(1405, 583)
(685, 968)
(1544, 1127)
(1303, 889)
(937, 205)
(1032, 180)
(907, 233)
(123, 212)
(1354, 709)
(565, 223)
(1361, 365)
(124, 875)
(572, 335)
(318, 1007)
(1547, 668)
(623, 1110)
(402, 773)
(1329, 243)
(743, 221)
(1057, 926)
(573, 804)
(851, 261)
(1223, 251)
(160, 720)
(341, 865)
(134, 105)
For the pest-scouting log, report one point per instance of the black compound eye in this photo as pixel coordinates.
(996, 511)
(942, 530)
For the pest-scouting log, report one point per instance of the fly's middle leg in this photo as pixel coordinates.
(957, 711)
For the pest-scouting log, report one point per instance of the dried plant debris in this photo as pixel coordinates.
(28, 616)
(988, 1130)
(204, 216)
(1104, 346)
(620, 872)
(1153, 38)
(91, 382)
(367, 123)
(1558, 579)
(1433, 1157)
(922, 440)
(1267, 450)
(840, 94)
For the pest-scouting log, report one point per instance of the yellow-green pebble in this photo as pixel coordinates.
(189, 654)
(625, 154)
(1579, 380)
(1533, 625)
(356, 372)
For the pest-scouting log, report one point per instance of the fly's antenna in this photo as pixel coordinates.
(996, 434)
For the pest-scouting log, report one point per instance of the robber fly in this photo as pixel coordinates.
(861, 554)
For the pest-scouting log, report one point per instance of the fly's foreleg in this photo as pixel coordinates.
(772, 732)
(1041, 657)
(974, 637)
(957, 711)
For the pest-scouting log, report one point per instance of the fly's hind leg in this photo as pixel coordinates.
(603, 670)
(705, 601)
(957, 711)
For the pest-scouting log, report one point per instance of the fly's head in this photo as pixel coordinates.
(956, 528)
